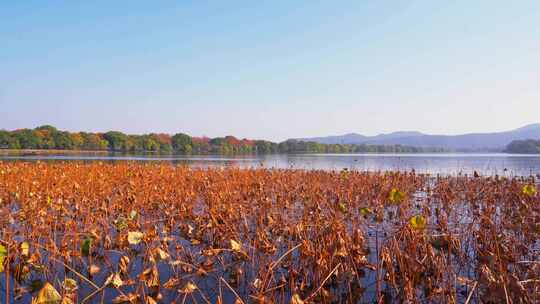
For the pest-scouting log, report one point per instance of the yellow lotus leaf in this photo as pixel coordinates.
(135, 237)
(114, 280)
(162, 254)
(188, 288)
(529, 190)
(235, 246)
(25, 248)
(364, 211)
(395, 196)
(295, 299)
(417, 222)
(69, 285)
(47, 295)
(3, 255)
(132, 215)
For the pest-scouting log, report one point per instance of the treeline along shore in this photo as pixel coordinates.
(50, 138)
(528, 146)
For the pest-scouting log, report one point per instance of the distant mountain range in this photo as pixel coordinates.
(465, 142)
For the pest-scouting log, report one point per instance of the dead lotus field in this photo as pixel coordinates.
(156, 233)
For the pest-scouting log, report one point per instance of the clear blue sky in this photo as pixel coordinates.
(270, 69)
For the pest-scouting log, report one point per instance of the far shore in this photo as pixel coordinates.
(50, 151)
(104, 152)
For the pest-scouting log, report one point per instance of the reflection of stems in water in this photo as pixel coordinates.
(65, 265)
(7, 274)
(501, 271)
(274, 265)
(322, 284)
(377, 279)
(75, 272)
(232, 289)
(471, 293)
(88, 297)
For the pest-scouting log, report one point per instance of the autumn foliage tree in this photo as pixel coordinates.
(49, 137)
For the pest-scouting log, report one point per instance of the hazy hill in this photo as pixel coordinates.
(528, 146)
(466, 142)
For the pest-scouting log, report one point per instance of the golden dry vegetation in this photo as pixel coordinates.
(147, 233)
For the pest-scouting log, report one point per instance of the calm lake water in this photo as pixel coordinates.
(488, 164)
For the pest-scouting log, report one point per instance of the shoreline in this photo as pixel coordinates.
(66, 151)
(49, 151)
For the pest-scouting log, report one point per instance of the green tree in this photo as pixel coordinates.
(47, 128)
(28, 139)
(77, 140)
(7, 141)
(149, 144)
(118, 141)
(92, 141)
(62, 140)
(182, 143)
